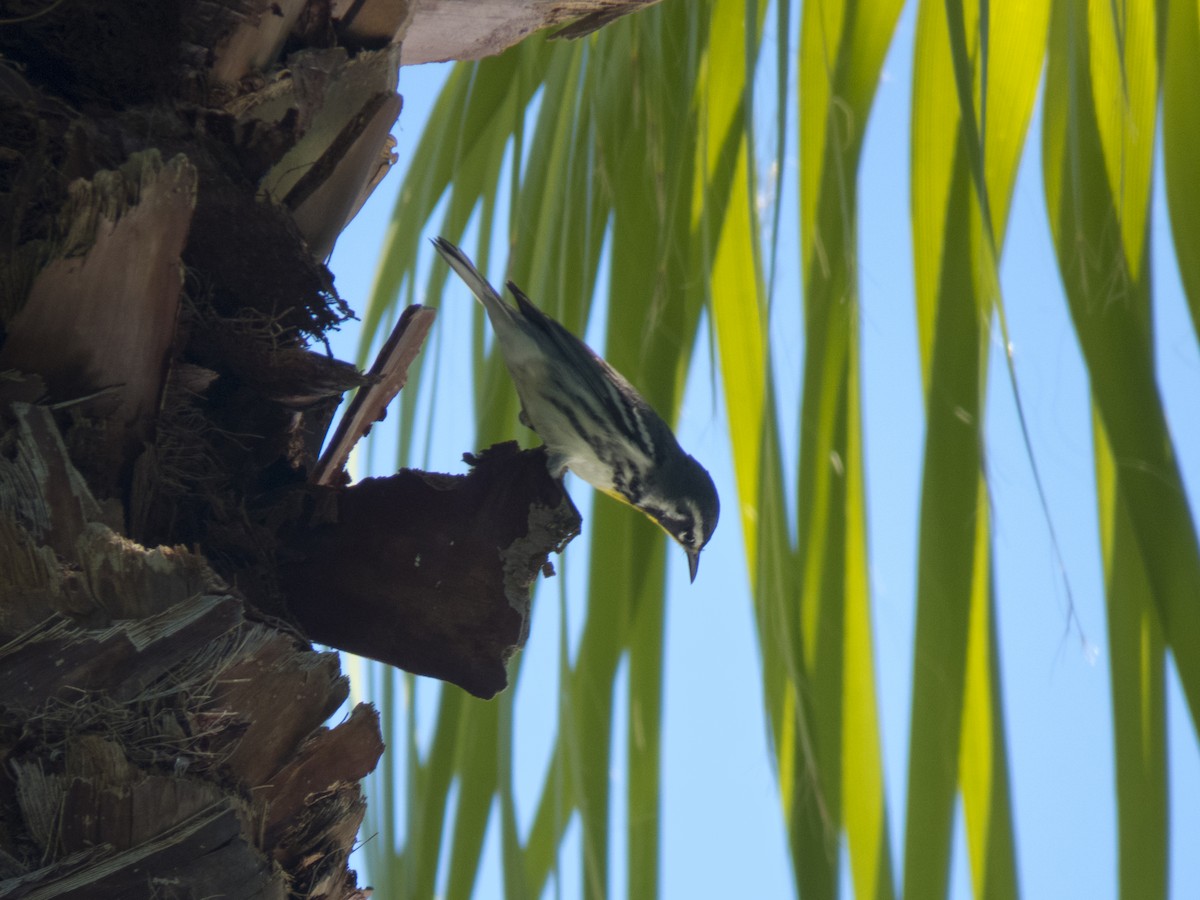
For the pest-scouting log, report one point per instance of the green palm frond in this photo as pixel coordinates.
(621, 173)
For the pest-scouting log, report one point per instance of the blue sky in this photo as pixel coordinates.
(719, 797)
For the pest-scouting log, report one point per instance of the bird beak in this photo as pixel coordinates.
(693, 563)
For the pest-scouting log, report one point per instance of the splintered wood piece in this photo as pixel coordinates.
(371, 23)
(38, 483)
(355, 162)
(432, 573)
(267, 674)
(256, 32)
(386, 157)
(129, 581)
(594, 21)
(208, 848)
(441, 30)
(59, 660)
(102, 798)
(388, 375)
(339, 111)
(330, 759)
(102, 314)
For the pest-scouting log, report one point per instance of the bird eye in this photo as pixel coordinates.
(687, 537)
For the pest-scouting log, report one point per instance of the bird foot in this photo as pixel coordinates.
(556, 465)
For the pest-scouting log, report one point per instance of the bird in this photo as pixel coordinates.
(592, 420)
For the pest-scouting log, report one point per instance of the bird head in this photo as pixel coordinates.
(684, 503)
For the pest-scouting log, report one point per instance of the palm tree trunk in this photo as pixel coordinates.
(166, 550)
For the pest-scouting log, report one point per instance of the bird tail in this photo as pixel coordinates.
(486, 294)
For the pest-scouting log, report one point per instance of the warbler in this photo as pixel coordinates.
(592, 420)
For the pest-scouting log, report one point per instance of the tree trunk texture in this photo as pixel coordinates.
(172, 177)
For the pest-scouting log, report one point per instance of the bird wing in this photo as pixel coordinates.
(621, 402)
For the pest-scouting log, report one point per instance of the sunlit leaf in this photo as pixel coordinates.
(628, 162)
